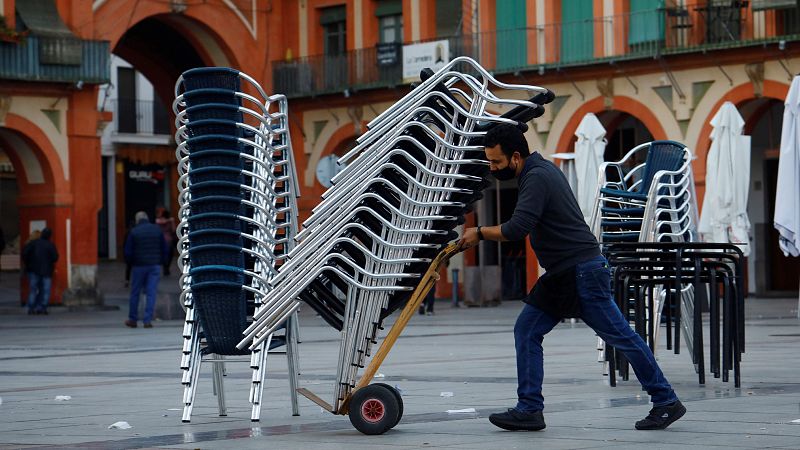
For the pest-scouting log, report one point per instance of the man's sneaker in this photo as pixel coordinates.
(130, 323)
(148, 325)
(515, 420)
(661, 417)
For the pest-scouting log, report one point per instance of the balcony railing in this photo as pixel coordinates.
(37, 58)
(672, 29)
(139, 117)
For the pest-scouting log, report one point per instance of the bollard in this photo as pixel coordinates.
(455, 287)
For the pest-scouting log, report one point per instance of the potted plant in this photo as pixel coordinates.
(8, 34)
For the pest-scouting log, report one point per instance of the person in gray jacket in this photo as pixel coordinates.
(577, 282)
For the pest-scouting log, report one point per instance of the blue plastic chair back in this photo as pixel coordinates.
(662, 155)
(216, 244)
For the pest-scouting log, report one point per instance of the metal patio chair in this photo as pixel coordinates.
(640, 268)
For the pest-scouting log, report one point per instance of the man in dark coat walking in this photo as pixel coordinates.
(39, 257)
(145, 251)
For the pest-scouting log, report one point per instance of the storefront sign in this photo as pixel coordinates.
(146, 176)
(388, 54)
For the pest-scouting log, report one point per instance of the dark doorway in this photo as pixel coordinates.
(623, 132)
(144, 189)
(783, 272)
(512, 253)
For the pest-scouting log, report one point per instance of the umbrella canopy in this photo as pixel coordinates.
(724, 217)
(588, 156)
(787, 198)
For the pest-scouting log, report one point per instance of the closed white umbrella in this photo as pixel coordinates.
(588, 156)
(566, 162)
(787, 198)
(724, 217)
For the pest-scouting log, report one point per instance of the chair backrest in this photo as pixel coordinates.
(662, 155)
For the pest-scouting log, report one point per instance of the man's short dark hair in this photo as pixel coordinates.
(510, 138)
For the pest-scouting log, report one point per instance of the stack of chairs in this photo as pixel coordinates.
(407, 185)
(648, 196)
(651, 202)
(238, 212)
(640, 268)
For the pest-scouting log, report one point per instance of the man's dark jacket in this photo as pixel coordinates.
(145, 245)
(40, 256)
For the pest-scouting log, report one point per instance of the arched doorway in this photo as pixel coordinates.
(623, 133)
(139, 165)
(32, 197)
(770, 272)
(9, 220)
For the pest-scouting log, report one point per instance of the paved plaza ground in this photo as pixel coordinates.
(113, 374)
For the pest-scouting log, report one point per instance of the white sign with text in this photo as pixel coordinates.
(416, 57)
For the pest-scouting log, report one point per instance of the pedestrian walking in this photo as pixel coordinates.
(577, 282)
(39, 257)
(426, 307)
(167, 224)
(145, 250)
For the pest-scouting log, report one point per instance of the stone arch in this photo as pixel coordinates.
(44, 193)
(736, 95)
(209, 27)
(42, 160)
(620, 103)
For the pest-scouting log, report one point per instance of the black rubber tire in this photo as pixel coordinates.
(399, 401)
(373, 409)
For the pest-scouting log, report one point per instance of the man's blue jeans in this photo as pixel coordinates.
(39, 292)
(146, 277)
(600, 312)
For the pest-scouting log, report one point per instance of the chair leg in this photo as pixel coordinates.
(219, 387)
(190, 363)
(292, 360)
(190, 389)
(258, 361)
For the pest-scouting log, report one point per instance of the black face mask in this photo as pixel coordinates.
(506, 173)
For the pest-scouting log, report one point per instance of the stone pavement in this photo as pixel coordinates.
(113, 374)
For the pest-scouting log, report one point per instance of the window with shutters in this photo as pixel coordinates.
(512, 45)
(646, 25)
(577, 31)
(334, 33)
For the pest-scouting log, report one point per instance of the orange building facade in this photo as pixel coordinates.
(649, 70)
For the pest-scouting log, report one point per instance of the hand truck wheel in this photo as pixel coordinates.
(374, 409)
(399, 401)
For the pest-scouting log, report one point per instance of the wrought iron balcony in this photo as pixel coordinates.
(673, 29)
(138, 118)
(60, 60)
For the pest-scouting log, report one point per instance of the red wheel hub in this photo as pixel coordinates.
(373, 410)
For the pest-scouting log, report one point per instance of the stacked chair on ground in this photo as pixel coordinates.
(238, 212)
(642, 267)
(648, 196)
(407, 185)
